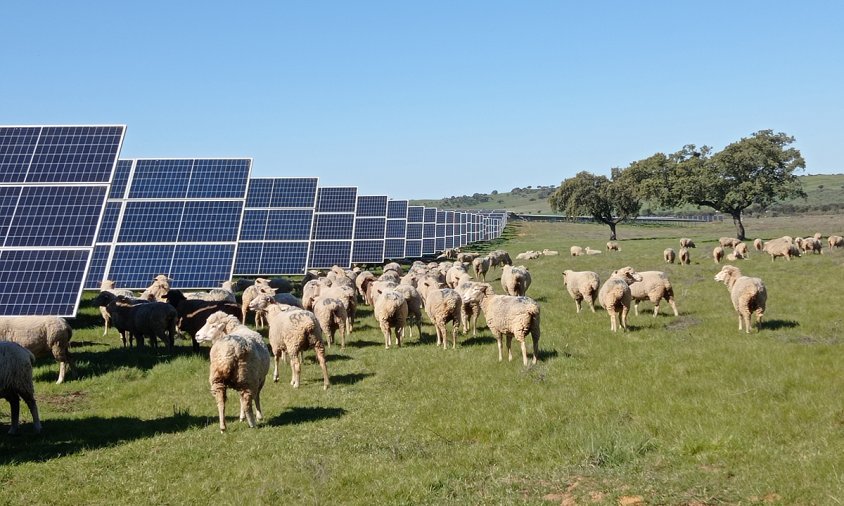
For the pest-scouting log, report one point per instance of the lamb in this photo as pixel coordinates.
(480, 266)
(728, 242)
(669, 255)
(508, 316)
(331, 315)
(292, 331)
(718, 254)
(444, 305)
(16, 383)
(550, 252)
(615, 296)
(194, 313)
(582, 285)
(613, 246)
(747, 294)
(154, 319)
(758, 245)
(654, 287)
(42, 336)
(108, 286)
(391, 314)
(782, 247)
(515, 280)
(576, 251)
(238, 359)
(685, 242)
(248, 296)
(684, 256)
(835, 241)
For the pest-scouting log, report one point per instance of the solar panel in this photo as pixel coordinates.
(178, 217)
(336, 200)
(370, 227)
(333, 230)
(396, 231)
(277, 226)
(54, 181)
(413, 234)
(325, 254)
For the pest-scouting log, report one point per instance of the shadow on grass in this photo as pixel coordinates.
(62, 437)
(362, 344)
(779, 324)
(477, 341)
(87, 364)
(350, 379)
(294, 416)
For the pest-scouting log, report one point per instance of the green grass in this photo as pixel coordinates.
(682, 410)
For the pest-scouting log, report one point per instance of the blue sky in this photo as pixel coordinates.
(430, 99)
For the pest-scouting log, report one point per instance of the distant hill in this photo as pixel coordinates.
(825, 193)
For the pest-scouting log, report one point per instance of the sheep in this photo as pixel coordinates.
(42, 336)
(248, 296)
(728, 242)
(528, 255)
(154, 319)
(393, 266)
(453, 274)
(414, 307)
(812, 245)
(103, 299)
(615, 296)
(331, 315)
(16, 383)
(194, 313)
(718, 254)
(480, 266)
(508, 316)
(576, 251)
(747, 294)
(449, 253)
(835, 241)
(502, 257)
(317, 288)
(470, 309)
(515, 280)
(281, 285)
(444, 305)
(157, 291)
(782, 247)
(215, 294)
(362, 283)
(582, 285)
(108, 286)
(390, 276)
(341, 277)
(238, 359)
(669, 255)
(758, 245)
(590, 251)
(467, 257)
(292, 331)
(654, 287)
(685, 242)
(391, 315)
(684, 256)
(740, 249)
(550, 252)
(613, 246)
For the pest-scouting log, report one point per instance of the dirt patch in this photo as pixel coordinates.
(631, 500)
(682, 323)
(63, 403)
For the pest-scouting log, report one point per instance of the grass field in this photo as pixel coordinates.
(677, 410)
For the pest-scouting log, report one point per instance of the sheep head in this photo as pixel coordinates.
(728, 275)
(104, 298)
(216, 326)
(477, 292)
(261, 302)
(628, 274)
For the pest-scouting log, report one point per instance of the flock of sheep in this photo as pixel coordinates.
(452, 291)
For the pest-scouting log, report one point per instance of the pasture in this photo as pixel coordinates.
(677, 410)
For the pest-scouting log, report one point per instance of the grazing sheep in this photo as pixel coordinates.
(467, 257)
(391, 276)
(42, 336)
(728, 242)
(515, 280)
(480, 266)
(391, 315)
(193, 313)
(108, 286)
(758, 245)
(501, 256)
(590, 251)
(654, 287)
(449, 253)
(576, 251)
(613, 246)
(615, 296)
(292, 331)
(812, 245)
(248, 296)
(747, 294)
(685, 242)
(684, 256)
(444, 305)
(154, 319)
(582, 285)
(16, 383)
(835, 241)
(550, 252)
(238, 359)
(740, 249)
(331, 315)
(717, 254)
(782, 247)
(669, 255)
(508, 317)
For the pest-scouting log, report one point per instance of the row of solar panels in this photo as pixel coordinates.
(72, 214)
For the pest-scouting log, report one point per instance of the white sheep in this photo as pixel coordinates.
(248, 296)
(238, 359)
(669, 255)
(515, 280)
(467, 257)
(528, 255)
(108, 286)
(685, 242)
(157, 291)
(453, 274)
(835, 241)
(444, 305)
(613, 246)
(740, 250)
(393, 266)
(654, 287)
(748, 295)
(480, 266)
(718, 254)
(758, 244)
(582, 285)
(507, 317)
(16, 383)
(590, 251)
(331, 315)
(782, 247)
(41, 335)
(414, 307)
(550, 252)
(615, 296)
(292, 331)
(728, 242)
(213, 295)
(576, 251)
(812, 245)
(684, 256)
(391, 315)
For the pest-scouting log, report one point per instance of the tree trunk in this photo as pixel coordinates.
(612, 231)
(739, 225)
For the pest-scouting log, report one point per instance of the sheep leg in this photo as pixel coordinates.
(740, 320)
(759, 315)
(29, 399)
(219, 392)
(577, 304)
(294, 365)
(624, 311)
(399, 335)
(474, 320)
(385, 329)
(62, 369)
(277, 356)
(656, 309)
(246, 408)
(591, 301)
(342, 326)
(15, 405)
(635, 308)
(613, 325)
(509, 338)
(259, 413)
(320, 355)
